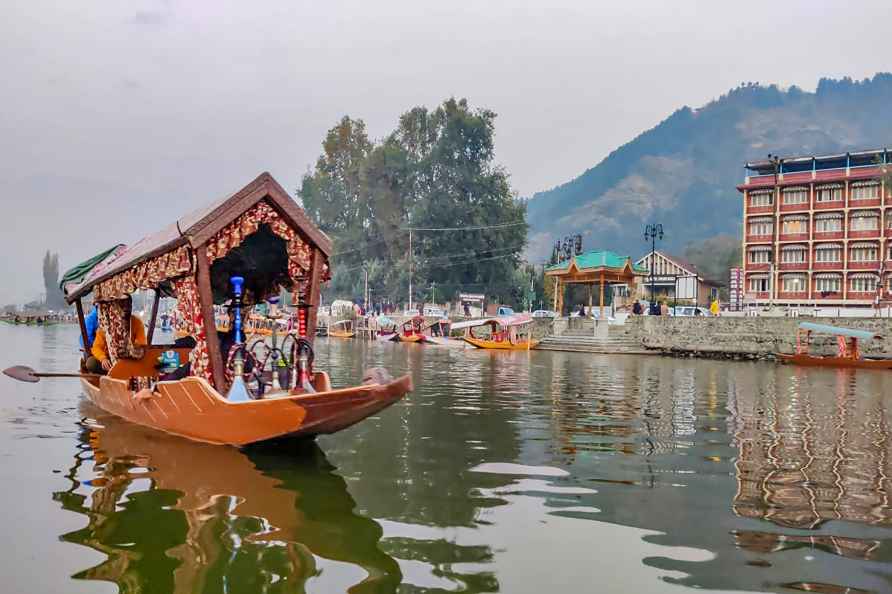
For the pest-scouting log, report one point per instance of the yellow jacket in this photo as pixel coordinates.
(137, 338)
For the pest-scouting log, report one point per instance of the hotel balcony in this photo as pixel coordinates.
(869, 265)
(826, 266)
(759, 239)
(793, 236)
(803, 207)
(868, 234)
(889, 229)
(792, 266)
(832, 205)
(751, 210)
(752, 267)
(824, 235)
(864, 202)
(792, 295)
(760, 294)
(826, 295)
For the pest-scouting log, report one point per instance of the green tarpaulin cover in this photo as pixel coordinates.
(77, 274)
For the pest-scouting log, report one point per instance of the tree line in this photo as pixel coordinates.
(435, 175)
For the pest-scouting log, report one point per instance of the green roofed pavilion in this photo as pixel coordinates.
(603, 268)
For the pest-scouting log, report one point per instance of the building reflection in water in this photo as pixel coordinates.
(806, 457)
(177, 516)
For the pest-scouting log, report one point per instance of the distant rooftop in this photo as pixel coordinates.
(597, 259)
(817, 163)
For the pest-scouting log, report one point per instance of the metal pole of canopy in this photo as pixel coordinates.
(410, 268)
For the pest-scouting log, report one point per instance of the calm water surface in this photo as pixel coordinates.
(503, 472)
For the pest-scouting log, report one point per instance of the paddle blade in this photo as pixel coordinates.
(23, 373)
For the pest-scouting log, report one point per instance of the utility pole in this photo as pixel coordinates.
(366, 302)
(410, 268)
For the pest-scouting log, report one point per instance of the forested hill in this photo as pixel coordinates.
(683, 172)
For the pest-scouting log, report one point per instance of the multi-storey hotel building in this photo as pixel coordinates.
(818, 230)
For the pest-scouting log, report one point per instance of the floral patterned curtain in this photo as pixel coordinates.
(116, 325)
(145, 275)
(192, 323)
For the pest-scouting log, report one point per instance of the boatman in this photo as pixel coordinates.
(100, 362)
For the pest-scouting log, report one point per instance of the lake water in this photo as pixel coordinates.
(502, 472)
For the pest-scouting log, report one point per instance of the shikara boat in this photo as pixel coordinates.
(258, 233)
(848, 352)
(505, 333)
(412, 331)
(342, 329)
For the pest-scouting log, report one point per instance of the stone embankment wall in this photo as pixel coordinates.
(750, 337)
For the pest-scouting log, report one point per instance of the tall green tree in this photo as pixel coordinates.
(435, 171)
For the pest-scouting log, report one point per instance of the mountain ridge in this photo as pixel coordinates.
(683, 171)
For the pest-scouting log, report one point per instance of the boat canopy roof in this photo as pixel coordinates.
(513, 320)
(192, 231)
(837, 331)
(342, 322)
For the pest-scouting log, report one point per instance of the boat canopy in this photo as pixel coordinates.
(385, 321)
(78, 273)
(259, 233)
(513, 320)
(153, 261)
(837, 331)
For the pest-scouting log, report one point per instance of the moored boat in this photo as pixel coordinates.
(848, 350)
(259, 233)
(412, 331)
(505, 333)
(342, 329)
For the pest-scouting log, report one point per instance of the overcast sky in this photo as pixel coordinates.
(118, 117)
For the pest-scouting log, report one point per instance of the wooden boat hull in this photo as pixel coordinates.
(340, 334)
(192, 408)
(812, 361)
(410, 338)
(503, 345)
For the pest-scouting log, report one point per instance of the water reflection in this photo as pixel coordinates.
(176, 516)
(511, 472)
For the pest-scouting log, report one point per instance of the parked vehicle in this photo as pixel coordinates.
(544, 313)
(410, 313)
(504, 310)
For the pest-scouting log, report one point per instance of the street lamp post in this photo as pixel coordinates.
(652, 233)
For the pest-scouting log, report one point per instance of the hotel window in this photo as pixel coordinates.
(828, 223)
(864, 221)
(760, 255)
(793, 254)
(796, 196)
(863, 252)
(830, 193)
(865, 190)
(793, 283)
(863, 283)
(793, 225)
(828, 284)
(761, 226)
(828, 254)
(765, 198)
(758, 284)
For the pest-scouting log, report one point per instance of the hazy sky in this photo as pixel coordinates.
(118, 117)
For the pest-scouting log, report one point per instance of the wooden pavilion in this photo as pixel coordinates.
(602, 268)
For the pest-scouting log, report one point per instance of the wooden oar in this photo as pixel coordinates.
(23, 373)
